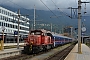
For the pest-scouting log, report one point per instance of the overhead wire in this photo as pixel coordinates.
(60, 10)
(26, 9)
(16, 4)
(48, 8)
(51, 11)
(55, 7)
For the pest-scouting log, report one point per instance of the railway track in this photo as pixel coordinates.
(53, 57)
(18, 57)
(23, 56)
(61, 54)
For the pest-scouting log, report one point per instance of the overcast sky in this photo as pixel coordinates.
(29, 4)
(39, 5)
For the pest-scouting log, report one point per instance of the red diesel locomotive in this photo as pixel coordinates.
(38, 40)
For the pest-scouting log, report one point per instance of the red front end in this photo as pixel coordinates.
(34, 39)
(37, 37)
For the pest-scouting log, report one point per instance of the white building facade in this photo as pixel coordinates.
(9, 20)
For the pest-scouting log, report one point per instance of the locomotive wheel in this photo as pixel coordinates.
(52, 46)
(27, 49)
(36, 49)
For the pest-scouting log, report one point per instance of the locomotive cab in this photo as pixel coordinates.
(34, 37)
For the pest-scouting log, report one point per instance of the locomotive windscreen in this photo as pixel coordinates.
(35, 33)
(49, 34)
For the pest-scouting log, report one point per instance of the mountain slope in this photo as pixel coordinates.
(48, 17)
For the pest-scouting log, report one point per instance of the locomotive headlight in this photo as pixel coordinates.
(31, 42)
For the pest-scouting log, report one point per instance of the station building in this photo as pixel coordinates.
(9, 21)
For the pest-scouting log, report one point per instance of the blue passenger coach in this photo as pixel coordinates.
(60, 40)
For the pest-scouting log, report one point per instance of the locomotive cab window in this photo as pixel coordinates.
(49, 34)
(35, 33)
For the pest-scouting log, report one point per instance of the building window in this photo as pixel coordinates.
(1, 17)
(8, 30)
(6, 12)
(6, 25)
(10, 14)
(0, 10)
(13, 26)
(7, 18)
(0, 23)
(16, 27)
(20, 27)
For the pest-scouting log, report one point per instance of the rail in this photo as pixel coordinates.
(61, 54)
